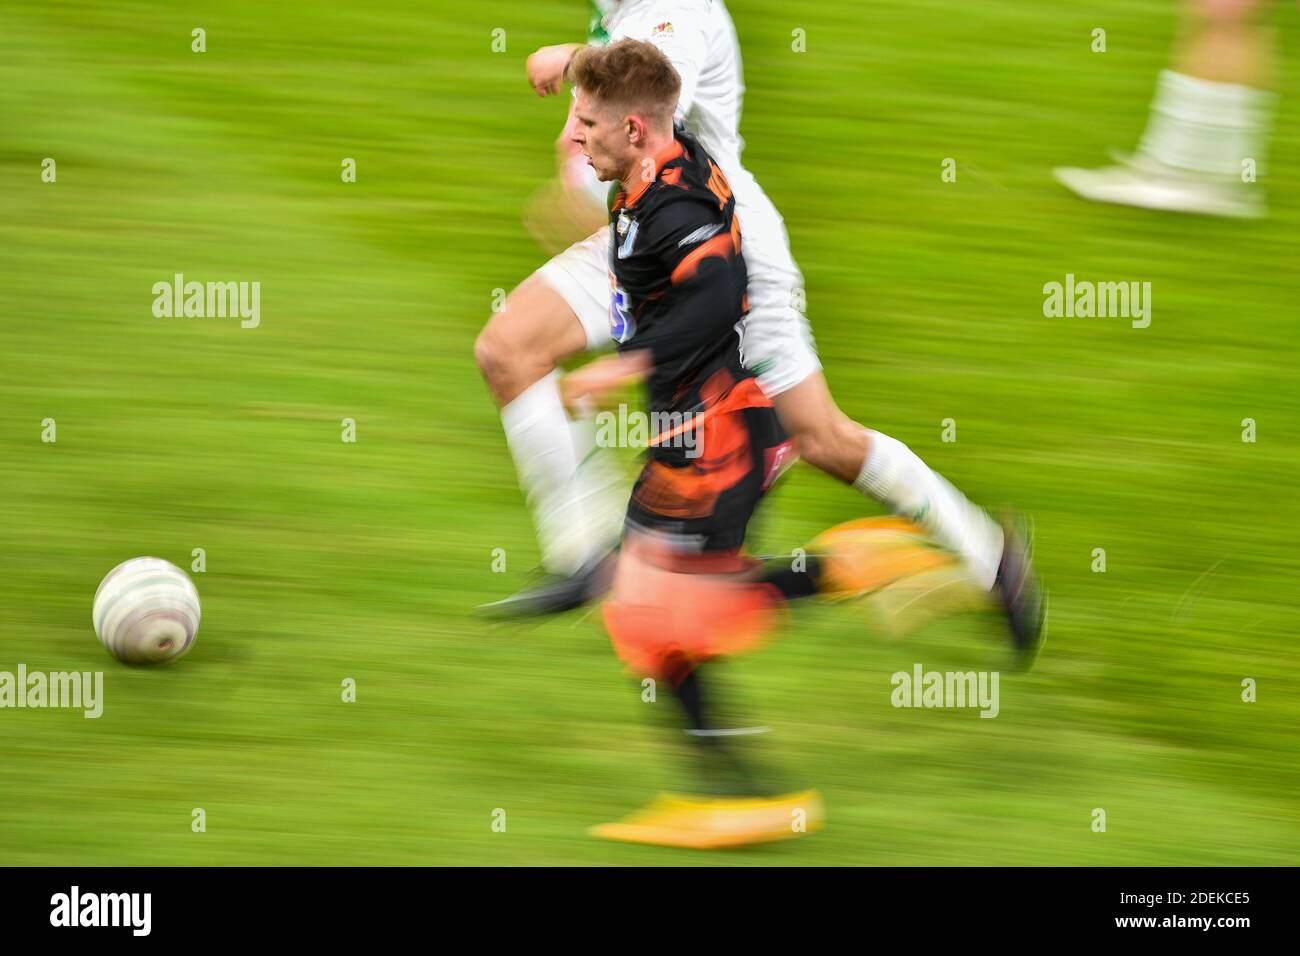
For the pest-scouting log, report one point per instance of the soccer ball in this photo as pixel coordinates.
(146, 611)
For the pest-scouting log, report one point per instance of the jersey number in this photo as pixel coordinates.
(621, 324)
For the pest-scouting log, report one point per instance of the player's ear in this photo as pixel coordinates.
(636, 129)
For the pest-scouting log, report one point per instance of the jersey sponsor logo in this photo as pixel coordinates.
(699, 235)
(662, 28)
(621, 324)
(625, 247)
(597, 28)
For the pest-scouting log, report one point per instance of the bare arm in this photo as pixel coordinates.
(574, 204)
(588, 385)
(546, 67)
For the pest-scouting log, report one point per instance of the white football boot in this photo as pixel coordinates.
(1147, 184)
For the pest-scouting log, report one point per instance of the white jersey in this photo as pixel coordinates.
(699, 39)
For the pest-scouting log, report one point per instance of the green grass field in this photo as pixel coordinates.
(328, 560)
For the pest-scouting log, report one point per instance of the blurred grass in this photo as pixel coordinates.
(329, 560)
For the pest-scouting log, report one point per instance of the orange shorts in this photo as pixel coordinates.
(680, 590)
(658, 612)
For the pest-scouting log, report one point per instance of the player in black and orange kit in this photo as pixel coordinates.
(684, 593)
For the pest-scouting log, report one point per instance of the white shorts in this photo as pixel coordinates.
(776, 344)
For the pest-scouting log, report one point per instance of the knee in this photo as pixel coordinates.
(491, 354)
(509, 363)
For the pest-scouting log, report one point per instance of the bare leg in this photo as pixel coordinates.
(524, 342)
(887, 470)
(828, 439)
(573, 497)
(1226, 41)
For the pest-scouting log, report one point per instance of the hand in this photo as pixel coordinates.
(546, 67)
(586, 387)
(583, 389)
(557, 216)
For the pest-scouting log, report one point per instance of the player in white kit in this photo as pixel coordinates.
(564, 308)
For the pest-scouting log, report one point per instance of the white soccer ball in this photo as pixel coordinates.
(146, 611)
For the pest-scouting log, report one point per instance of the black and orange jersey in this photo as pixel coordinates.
(678, 275)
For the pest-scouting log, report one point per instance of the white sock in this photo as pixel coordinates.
(1206, 127)
(600, 489)
(896, 477)
(574, 503)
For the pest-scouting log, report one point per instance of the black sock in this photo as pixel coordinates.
(723, 771)
(690, 694)
(791, 583)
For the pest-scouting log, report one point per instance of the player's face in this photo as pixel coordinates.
(603, 136)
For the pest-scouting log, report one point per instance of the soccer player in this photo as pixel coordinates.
(1208, 130)
(563, 309)
(679, 599)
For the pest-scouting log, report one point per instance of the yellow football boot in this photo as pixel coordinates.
(869, 554)
(714, 823)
